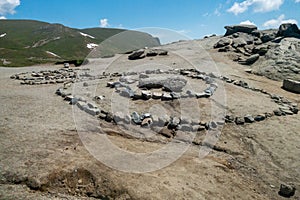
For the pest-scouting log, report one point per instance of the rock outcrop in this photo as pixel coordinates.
(288, 30)
(274, 53)
(240, 28)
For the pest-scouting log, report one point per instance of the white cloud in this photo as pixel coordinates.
(104, 23)
(247, 22)
(297, 1)
(8, 6)
(2, 17)
(217, 10)
(257, 5)
(238, 8)
(275, 23)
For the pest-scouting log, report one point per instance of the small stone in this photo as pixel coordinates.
(102, 116)
(249, 71)
(146, 95)
(143, 75)
(147, 122)
(249, 119)
(174, 123)
(295, 110)
(92, 111)
(220, 123)
(201, 128)
(287, 112)
(277, 112)
(287, 190)
(136, 118)
(239, 121)
(109, 117)
(185, 73)
(259, 118)
(85, 84)
(166, 97)
(229, 119)
(213, 125)
(202, 95)
(156, 95)
(137, 95)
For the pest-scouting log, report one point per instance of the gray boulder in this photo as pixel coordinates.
(240, 28)
(174, 123)
(135, 117)
(146, 122)
(268, 35)
(261, 50)
(291, 85)
(287, 190)
(186, 127)
(146, 95)
(156, 95)
(249, 119)
(137, 55)
(92, 111)
(249, 61)
(239, 120)
(223, 42)
(288, 30)
(260, 117)
(238, 42)
(229, 119)
(166, 96)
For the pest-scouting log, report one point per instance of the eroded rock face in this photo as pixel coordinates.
(175, 84)
(240, 28)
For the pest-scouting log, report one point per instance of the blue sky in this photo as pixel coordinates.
(194, 18)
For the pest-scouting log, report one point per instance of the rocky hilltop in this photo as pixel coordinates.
(274, 53)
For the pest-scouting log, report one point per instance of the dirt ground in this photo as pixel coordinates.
(43, 157)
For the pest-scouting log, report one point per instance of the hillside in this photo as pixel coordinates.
(27, 42)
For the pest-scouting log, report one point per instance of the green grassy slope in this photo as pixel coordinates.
(26, 42)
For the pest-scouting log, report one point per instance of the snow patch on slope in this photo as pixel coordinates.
(3, 35)
(87, 35)
(91, 45)
(53, 54)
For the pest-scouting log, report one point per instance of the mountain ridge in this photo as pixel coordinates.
(31, 42)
